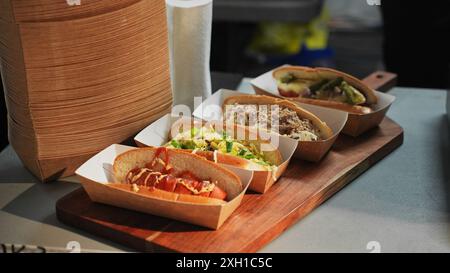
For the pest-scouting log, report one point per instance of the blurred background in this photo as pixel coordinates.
(356, 36)
(344, 34)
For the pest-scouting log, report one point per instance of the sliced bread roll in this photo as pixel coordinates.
(181, 161)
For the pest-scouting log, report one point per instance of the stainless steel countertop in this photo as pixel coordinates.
(402, 204)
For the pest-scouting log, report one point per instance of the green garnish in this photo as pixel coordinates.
(224, 135)
(318, 85)
(209, 140)
(229, 146)
(188, 145)
(174, 143)
(249, 156)
(288, 78)
(332, 84)
(353, 96)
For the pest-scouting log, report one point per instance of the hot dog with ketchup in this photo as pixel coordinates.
(171, 174)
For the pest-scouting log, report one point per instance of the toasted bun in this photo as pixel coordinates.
(354, 109)
(157, 193)
(301, 72)
(325, 131)
(318, 73)
(181, 161)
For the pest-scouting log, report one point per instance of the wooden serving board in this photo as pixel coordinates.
(259, 219)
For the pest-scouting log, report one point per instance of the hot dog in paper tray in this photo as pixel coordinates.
(264, 154)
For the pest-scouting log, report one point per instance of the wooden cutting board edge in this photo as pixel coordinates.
(351, 173)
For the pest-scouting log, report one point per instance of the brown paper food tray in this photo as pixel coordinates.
(359, 124)
(356, 124)
(96, 173)
(312, 151)
(213, 218)
(87, 84)
(51, 10)
(259, 219)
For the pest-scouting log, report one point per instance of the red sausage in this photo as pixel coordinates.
(170, 183)
(167, 183)
(218, 193)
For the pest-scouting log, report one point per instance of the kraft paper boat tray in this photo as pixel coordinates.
(62, 62)
(157, 134)
(314, 151)
(97, 172)
(356, 123)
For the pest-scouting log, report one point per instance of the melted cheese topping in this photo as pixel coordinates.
(299, 87)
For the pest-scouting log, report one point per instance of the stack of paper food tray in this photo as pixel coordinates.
(80, 77)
